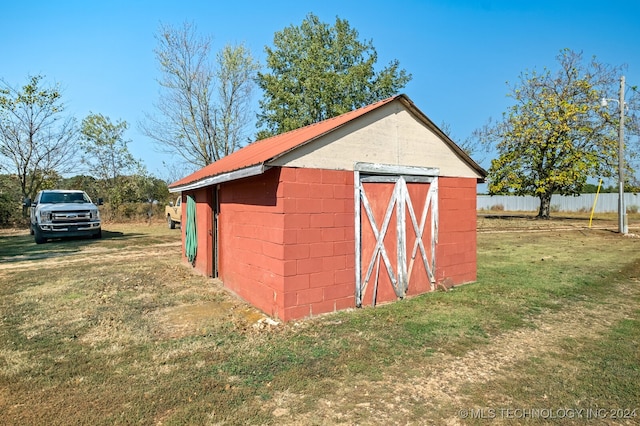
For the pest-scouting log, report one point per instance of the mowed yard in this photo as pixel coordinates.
(119, 331)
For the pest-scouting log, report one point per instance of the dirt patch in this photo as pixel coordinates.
(198, 318)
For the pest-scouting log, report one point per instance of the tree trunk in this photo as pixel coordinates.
(545, 206)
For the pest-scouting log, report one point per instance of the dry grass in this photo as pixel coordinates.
(118, 331)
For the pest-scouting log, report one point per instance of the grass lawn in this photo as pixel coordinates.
(119, 331)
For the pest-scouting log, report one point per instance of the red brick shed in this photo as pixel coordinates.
(372, 206)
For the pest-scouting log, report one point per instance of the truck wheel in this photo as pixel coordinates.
(30, 228)
(170, 222)
(38, 236)
(97, 235)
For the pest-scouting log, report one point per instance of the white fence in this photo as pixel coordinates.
(606, 202)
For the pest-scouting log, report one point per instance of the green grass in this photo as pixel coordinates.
(93, 342)
(581, 374)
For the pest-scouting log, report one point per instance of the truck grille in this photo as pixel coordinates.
(71, 216)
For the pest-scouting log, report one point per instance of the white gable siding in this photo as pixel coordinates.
(390, 135)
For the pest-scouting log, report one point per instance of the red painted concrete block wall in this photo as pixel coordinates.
(456, 249)
(320, 237)
(252, 259)
(286, 241)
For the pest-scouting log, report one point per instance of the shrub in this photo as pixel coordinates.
(11, 212)
(132, 212)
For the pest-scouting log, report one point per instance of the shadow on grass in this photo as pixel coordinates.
(109, 235)
(17, 248)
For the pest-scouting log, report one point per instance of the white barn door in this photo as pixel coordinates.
(396, 231)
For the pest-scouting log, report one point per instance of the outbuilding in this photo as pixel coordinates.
(372, 206)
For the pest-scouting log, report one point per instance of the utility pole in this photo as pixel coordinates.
(622, 211)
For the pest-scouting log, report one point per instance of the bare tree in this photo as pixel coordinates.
(235, 74)
(468, 145)
(189, 120)
(36, 141)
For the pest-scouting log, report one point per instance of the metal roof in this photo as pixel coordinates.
(251, 160)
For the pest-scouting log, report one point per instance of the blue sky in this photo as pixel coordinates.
(460, 53)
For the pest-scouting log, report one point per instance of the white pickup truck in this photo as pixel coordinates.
(57, 213)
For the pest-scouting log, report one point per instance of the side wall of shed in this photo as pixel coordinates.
(456, 249)
(319, 241)
(251, 246)
(286, 241)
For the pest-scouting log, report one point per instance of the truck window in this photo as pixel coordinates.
(49, 197)
(78, 197)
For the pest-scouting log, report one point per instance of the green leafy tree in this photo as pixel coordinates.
(201, 114)
(37, 141)
(318, 71)
(107, 156)
(556, 135)
(10, 200)
(86, 183)
(149, 189)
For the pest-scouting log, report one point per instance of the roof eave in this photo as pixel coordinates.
(254, 170)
